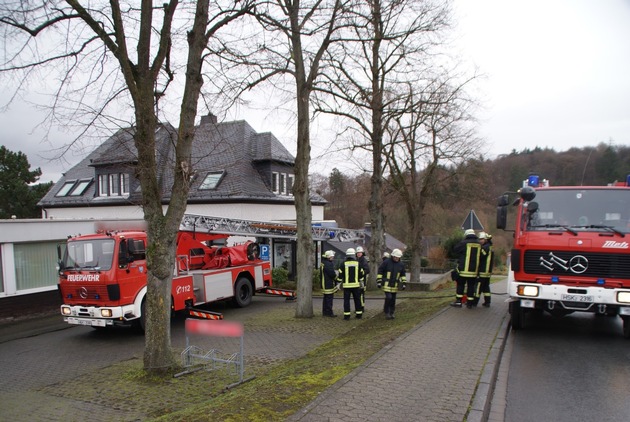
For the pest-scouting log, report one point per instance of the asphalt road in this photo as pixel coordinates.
(568, 369)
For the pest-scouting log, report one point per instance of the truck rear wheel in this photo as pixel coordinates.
(243, 292)
(518, 315)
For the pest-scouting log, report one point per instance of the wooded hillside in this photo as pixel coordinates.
(474, 185)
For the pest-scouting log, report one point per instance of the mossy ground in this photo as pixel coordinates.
(279, 388)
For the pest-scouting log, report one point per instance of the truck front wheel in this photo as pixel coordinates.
(518, 315)
(243, 292)
(626, 326)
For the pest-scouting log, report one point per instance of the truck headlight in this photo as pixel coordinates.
(623, 297)
(65, 310)
(524, 290)
(106, 313)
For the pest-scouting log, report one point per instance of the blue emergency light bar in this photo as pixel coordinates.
(533, 180)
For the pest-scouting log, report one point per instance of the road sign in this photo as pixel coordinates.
(472, 222)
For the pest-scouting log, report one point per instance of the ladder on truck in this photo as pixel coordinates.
(232, 226)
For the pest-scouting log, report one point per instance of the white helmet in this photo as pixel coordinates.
(329, 254)
(385, 254)
(351, 252)
(482, 235)
(469, 232)
(359, 249)
(397, 253)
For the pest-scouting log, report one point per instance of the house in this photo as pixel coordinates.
(236, 172)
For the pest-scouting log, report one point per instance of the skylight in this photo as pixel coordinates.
(212, 180)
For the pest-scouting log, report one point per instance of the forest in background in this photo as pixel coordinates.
(474, 185)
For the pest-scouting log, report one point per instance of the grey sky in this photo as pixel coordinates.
(556, 76)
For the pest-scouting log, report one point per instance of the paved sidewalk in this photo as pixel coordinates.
(435, 372)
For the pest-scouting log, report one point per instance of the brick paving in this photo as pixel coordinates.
(434, 372)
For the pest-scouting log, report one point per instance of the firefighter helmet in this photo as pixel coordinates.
(396, 253)
(359, 249)
(482, 235)
(385, 254)
(329, 254)
(351, 252)
(469, 232)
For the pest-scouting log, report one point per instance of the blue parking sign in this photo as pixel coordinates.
(264, 252)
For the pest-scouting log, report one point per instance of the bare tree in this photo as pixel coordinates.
(92, 45)
(386, 43)
(294, 36)
(435, 126)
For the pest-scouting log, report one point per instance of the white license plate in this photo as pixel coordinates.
(89, 322)
(576, 298)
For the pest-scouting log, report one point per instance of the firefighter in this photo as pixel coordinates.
(363, 263)
(328, 276)
(350, 274)
(486, 263)
(391, 274)
(468, 251)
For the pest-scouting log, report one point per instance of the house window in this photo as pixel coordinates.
(283, 184)
(103, 185)
(212, 180)
(290, 180)
(65, 189)
(114, 184)
(275, 182)
(80, 187)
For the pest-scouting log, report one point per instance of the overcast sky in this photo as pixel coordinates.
(557, 75)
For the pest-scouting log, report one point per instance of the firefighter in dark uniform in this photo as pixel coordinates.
(363, 263)
(391, 274)
(328, 277)
(350, 274)
(486, 264)
(468, 251)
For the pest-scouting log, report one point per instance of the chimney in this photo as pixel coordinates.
(210, 119)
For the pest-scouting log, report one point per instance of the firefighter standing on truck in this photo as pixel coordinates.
(468, 251)
(328, 275)
(350, 274)
(486, 263)
(391, 273)
(363, 263)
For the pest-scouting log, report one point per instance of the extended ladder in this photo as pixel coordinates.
(231, 226)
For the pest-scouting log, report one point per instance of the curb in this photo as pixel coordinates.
(482, 398)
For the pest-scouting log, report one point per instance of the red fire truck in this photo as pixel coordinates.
(570, 252)
(103, 276)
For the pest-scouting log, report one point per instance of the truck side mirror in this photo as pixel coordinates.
(502, 204)
(59, 258)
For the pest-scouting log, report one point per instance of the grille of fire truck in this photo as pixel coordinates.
(573, 263)
(88, 293)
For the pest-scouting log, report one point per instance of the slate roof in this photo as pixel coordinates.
(245, 157)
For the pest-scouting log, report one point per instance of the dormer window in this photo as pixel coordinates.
(282, 183)
(113, 184)
(212, 180)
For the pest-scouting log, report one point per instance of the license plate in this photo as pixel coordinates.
(576, 298)
(89, 322)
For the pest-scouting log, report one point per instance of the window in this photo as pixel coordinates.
(274, 182)
(103, 185)
(113, 184)
(212, 180)
(282, 183)
(80, 187)
(290, 181)
(66, 188)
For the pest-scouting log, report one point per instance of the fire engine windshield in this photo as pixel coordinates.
(89, 254)
(581, 210)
